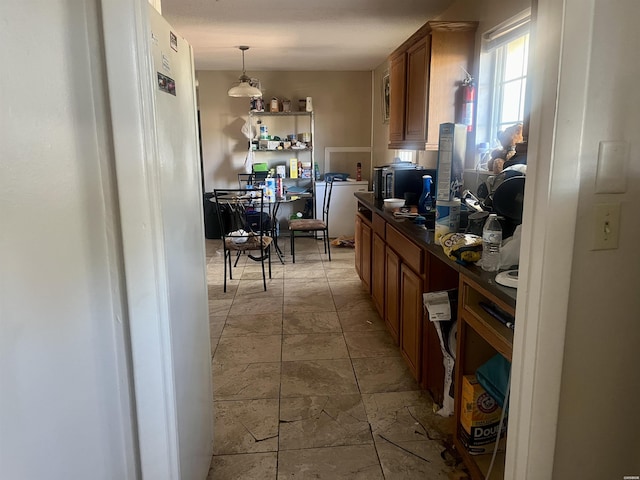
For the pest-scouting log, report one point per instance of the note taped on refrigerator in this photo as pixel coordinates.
(166, 84)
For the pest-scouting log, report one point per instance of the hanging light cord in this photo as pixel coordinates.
(244, 77)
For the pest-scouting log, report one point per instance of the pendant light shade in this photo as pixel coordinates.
(244, 88)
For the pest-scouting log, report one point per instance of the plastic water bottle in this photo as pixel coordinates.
(264, 131)
(491, 242)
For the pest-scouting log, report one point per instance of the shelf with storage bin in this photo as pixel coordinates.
(480, 337)
(285, 125)
(280, 150)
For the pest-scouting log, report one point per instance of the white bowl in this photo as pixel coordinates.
(391, 203)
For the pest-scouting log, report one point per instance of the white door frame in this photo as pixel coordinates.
(131, 96)
(559, 85)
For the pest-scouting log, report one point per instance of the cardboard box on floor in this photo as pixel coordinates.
(479, 418)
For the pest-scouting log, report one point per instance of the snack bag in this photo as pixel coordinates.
(462, 247)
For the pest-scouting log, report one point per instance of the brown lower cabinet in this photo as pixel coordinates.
(397, 272)
(365, 267)
(403, 309)
(378, 275)
(392, 293)
(357, 243)
(363, 238)
(404, 284)
(411, 288)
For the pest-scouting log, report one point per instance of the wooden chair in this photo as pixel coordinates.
(314, 225)
(242, 232)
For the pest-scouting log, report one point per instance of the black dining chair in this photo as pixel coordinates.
(244, 228)
(245, 180)
(313, 225)
(249, 180)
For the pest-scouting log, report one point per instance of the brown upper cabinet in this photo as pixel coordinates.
(425, 73)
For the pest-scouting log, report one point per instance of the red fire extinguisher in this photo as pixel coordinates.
(468, 100)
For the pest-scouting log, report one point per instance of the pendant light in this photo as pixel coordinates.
(244, 89)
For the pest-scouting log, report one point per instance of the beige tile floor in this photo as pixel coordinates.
(307, 382)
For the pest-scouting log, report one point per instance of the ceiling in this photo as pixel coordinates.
(297, 34)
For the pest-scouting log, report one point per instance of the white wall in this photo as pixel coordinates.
(342, 106)
(65, 396)
(381, 153)
(598, 419)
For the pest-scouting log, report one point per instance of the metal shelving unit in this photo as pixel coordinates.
(282, 125)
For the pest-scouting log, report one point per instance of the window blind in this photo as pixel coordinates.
(505, 32)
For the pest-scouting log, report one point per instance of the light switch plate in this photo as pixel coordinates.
(611, 176)
(606, 226)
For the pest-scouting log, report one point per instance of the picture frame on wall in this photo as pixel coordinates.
(385, 97)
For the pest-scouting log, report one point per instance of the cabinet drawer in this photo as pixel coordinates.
(379, 224)
(410, 253)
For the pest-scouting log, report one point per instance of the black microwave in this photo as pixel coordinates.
(398, 181)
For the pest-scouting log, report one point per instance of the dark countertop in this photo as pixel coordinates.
(425, 238)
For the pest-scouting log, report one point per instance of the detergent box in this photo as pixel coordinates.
(479, 418)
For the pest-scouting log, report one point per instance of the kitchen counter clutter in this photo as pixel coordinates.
(425, 239)
(398, 261)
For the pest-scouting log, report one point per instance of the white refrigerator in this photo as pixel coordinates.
(342, 209)
(171, 348)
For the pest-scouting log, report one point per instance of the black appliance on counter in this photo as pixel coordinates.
(400, 179)
(502, 194)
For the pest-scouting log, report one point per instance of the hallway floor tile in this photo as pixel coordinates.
(307, 382)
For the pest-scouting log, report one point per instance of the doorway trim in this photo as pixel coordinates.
(559, 86)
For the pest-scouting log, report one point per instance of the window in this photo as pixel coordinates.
(502, 78)
(510, 83)
(406, 155)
